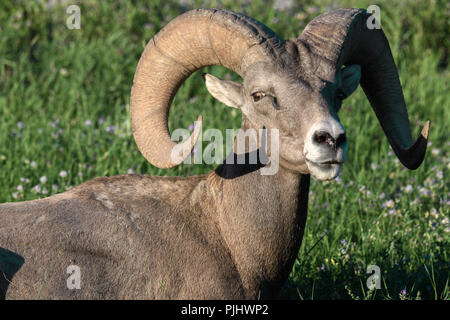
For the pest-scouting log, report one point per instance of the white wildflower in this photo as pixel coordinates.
(283, 5)
(24, 180)
(436, 151)
(110, 129)
(388, 204)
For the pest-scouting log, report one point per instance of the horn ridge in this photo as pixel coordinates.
(183, 46)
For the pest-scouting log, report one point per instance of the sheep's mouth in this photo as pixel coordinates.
(324, 170)
(325, 162)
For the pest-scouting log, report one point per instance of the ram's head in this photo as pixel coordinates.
(295, 86)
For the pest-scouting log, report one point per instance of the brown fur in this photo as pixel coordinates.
(132, 235)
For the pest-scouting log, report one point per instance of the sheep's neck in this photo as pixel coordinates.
(262, 220)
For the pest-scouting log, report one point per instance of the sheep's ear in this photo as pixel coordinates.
(350, 77)
(227, 92)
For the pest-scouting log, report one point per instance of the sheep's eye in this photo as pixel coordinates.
(258, 96)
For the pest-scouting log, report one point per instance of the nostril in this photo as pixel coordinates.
(323, 137)
(341, 139)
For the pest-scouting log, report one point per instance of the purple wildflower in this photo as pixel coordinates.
(403, 294)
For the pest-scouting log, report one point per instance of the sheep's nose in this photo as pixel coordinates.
(326, 139)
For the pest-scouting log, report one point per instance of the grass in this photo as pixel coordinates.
(64, 99)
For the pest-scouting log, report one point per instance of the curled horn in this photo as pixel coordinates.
(193, 40)
(343, 37)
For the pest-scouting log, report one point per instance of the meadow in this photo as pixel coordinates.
(64, 119)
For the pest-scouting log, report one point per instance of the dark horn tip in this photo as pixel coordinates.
(413, 157)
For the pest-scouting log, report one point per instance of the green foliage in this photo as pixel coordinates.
(64, 99)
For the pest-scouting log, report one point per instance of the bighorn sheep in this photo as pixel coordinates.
(232, 233)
